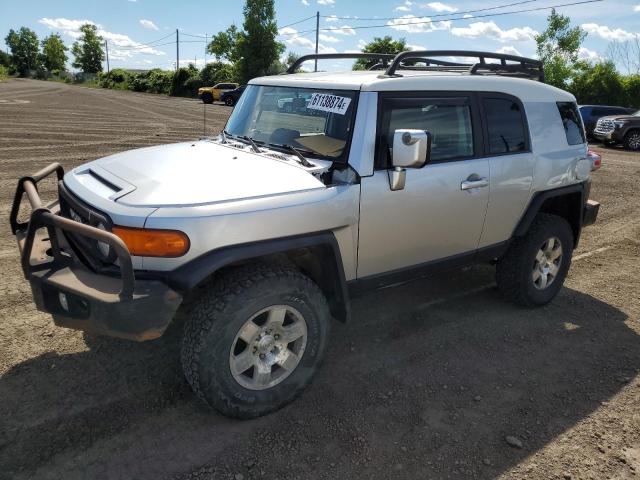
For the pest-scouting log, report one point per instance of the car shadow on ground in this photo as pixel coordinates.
(427, 380)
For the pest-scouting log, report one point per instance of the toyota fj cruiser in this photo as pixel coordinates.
(260, 234)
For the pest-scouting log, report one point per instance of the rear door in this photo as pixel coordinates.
(508, 147)
(435, 216)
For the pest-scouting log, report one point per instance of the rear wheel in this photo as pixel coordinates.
(255, 339)
(632, 140)
(207, 97)
(533, 270)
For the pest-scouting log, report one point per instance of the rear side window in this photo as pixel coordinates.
(448, 120)
(505, 126)
(571, 123)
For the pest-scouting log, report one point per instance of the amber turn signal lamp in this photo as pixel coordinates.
(145, 242)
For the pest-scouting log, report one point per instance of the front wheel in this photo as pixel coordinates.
(207, 98)
(632, 140)
(229, 101)
(254, 340)
(533, 270)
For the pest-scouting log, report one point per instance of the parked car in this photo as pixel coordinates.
(212, 94)
(261, 234)
(592, 113)
(230, 98)
(624, 129)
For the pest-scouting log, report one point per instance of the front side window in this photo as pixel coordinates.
(314, 121)
(505, 126)
(571, 123)
(448, 120)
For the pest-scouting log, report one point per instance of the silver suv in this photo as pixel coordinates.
(260, 234)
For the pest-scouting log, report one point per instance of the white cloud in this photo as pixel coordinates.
(607, 33)
(326, 2)
(405, 7)
(328, 38)
(491, 30)
(305, 3)
(343, 30)
(636, 8)
(440, 7)
(292, 38)
(413, 24)
(361, 44)
(416, 47)
(467, 15)
(589, 55)
(148, 24)
(509, 50)
(331, 18)
(128, 47)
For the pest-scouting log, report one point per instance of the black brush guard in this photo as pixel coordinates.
(76, 296)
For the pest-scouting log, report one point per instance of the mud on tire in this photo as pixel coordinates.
(215, 318)
(514, 271)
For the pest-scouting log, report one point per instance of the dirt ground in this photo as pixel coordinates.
(427, 381)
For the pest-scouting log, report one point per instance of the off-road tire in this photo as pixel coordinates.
(514, 269)
(632, 140)
(215, 318)
(207, 98)
(229, 102)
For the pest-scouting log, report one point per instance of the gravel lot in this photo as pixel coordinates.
(427, 381)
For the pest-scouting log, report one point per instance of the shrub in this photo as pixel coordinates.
(631, 85)
(117, 78)
(159, 81)
(4, 73)
(182, 76)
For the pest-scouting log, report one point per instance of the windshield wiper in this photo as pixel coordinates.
(303, 161)
(249, 141)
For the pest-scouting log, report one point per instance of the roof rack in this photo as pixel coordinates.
(385, 57)
(519, 67)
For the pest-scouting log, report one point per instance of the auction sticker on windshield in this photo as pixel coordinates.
(329, 103)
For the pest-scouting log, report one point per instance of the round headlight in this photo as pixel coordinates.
(103, 248)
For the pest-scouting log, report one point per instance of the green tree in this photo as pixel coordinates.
(258, 47)
(254, 49)
(224, 45)
(385, 44)
(54, 53)
(87, 50)
(216, 72)
(558, 48)
(598, 83)
(631, 85)
(24, 49)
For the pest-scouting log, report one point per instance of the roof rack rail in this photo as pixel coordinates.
(521, 66)
(385, 57)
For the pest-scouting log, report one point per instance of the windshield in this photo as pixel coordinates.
(316, 122)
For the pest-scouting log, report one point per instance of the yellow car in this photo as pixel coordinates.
(212, 94)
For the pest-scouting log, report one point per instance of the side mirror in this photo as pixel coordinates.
(411, 149)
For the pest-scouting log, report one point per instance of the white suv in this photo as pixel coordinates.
(261, 234)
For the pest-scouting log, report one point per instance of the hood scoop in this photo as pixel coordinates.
(103, 182)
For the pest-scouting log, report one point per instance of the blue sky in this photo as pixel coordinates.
(135, 28)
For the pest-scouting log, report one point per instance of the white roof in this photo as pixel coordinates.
(370, 81)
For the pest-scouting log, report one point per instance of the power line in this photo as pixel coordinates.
(496, 7)
(299, 21)
(398, 24)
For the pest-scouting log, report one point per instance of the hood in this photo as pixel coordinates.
(194, 173)
(631, 118)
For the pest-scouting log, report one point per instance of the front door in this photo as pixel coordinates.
(441, 210)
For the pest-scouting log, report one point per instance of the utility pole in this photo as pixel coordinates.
(205, 49)
(177, 50)
(106, 48)
(315, 68)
